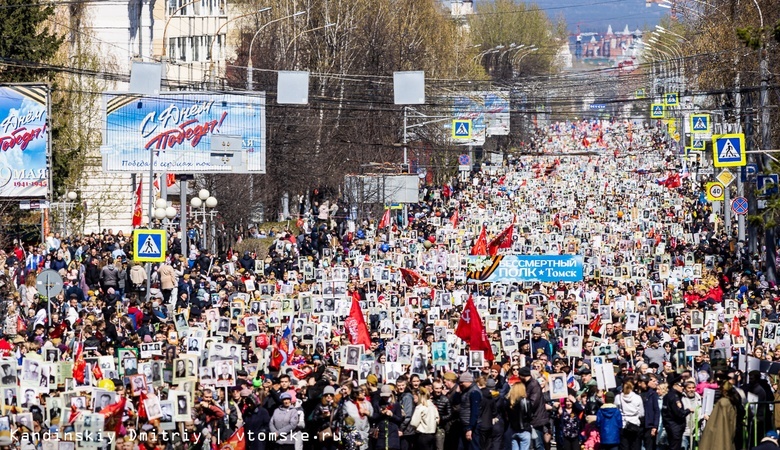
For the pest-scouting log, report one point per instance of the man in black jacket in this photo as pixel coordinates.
(674, 414)
(648, 385)
(445, 413)
(540, 418)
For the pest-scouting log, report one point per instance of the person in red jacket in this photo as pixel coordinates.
(134, 311)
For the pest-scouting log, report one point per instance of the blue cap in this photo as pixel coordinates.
(773, 434)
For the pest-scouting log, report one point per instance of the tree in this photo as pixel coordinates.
(350, 120)
(27, 40)
(506, 30)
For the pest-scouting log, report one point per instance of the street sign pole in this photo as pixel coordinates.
(741, 217)
(727, 210)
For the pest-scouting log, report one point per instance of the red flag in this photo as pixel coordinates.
(595, 324)
(480, 247)
(113, 415)
(413, 278)
(170, 179)
(235, 442)
(97, 372)
(503, 240)
(74, 414)
(735, 328)
(672, 181)
(385, 221)
(471, 330)
(79, 366)
(454, 219)
(138, 213)
(355, 326)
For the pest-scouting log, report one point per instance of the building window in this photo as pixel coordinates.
(196, 48)
(171, 7)
(172, 43)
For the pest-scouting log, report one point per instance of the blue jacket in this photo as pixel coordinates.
(610, 422)
(652, 410)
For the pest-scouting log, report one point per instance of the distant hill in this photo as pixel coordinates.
(596, 15)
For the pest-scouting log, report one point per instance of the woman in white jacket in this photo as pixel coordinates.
(632, 409)
(424, 420)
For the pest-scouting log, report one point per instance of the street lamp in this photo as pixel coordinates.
(202, 201)
(163, 211)
(216, 35)
(249, 80)
(64, 208)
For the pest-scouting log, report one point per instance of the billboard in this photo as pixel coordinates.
(520, 268)
(24, 141)
(488, 111)
(188, 132)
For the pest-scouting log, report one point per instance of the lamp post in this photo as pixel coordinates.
(249, 77)
(202, 201)
(216, 34)
(64, 207)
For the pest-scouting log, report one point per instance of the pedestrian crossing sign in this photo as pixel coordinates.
(700, 123)
(728, 150)
(149, 245)
(461, 129)
(657, 111)
(671, 99)
(640, 93)
(698, 144)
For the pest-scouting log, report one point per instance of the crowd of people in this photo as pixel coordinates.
(350, 333)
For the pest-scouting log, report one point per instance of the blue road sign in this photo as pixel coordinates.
(461, 129)
(698, 144)
(464, 160)
(671, 99)
(598, 106)
(767, 184)
(739, 205)
(149, 245)
(748, 172)
(700, 123)
(728, 150)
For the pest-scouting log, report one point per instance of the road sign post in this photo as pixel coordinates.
(657, 111)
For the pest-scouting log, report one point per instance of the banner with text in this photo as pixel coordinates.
(520, 268)
(24, 139)
(188, 132)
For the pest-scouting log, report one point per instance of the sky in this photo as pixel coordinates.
(596, 15)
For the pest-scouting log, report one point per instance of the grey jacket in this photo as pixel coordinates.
(284, 422)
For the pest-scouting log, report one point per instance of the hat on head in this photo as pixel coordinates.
(584, 370)
(609, 397)
(495, 367)
(452, 376)
(328, 391)
(466, 378)
(537, 330)
(654, 339)
(287, 396)
(513, 380)
(524, 372)
(674, 379)
(491, 383)
(386, 391)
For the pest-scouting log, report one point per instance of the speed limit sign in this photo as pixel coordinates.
(715, 192)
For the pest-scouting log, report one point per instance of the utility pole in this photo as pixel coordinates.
(766, 144)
